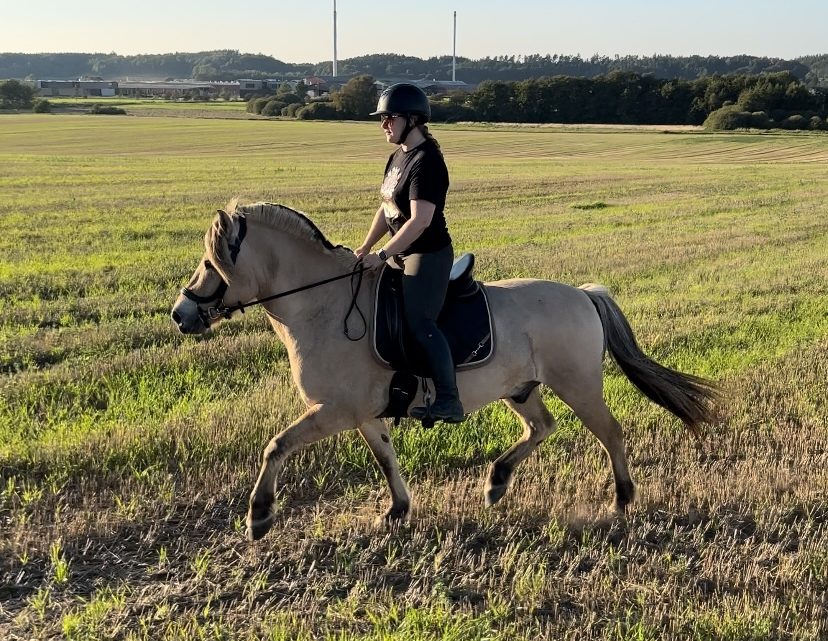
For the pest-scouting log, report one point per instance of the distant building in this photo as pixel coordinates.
(248, 87)
(433, 87)
(137, 89)
(179, 89)
(321, 85)
(77, 88)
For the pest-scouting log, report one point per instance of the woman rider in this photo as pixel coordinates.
(413, 198)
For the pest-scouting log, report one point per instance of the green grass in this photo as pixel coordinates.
(120, 439)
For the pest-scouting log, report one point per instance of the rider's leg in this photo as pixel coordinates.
(424, 290)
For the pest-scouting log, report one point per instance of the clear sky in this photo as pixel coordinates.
(301, 30)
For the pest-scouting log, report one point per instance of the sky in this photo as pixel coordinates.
(301, 30)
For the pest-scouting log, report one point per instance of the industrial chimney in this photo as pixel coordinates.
(454, 50)
(334, 57)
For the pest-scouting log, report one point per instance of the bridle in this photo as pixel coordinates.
(211, 314)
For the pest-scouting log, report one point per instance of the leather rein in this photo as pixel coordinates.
(225, 311)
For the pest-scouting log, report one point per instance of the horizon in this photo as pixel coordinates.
(390, 53)
(484, 29)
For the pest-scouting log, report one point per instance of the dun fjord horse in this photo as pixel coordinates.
(546, 333)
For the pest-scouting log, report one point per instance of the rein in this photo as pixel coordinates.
(215, 313)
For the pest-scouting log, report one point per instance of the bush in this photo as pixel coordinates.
(288, 98)
(451, 112)
(319, 111)
(42, 106)
(291, 109)
(818, 124)
(273, 108)
(797, 121)
(106, 110)
(760, 120)
(727, 118)
(255, 105)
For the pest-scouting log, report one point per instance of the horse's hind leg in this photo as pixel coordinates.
(538, 423)
(378, 439)
(588, 404)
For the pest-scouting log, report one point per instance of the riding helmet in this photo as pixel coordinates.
(404, 98)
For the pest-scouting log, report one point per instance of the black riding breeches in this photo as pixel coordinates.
(424, 282)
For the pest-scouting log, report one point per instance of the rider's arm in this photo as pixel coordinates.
(422, 211)
(378, 229)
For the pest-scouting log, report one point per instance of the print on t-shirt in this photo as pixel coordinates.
(390, 183)
(393, 215)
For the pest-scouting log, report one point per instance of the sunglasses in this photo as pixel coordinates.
(389, 118)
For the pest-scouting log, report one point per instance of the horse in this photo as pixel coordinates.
(546, 333)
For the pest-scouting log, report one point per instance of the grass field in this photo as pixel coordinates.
(127, 451)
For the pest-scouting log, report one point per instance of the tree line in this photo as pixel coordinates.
(719, 102)
(232, 65)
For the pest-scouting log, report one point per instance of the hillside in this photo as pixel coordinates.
(231, 65)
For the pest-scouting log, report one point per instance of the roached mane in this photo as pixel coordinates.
(280, 217)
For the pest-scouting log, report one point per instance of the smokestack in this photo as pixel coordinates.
(334, 58)
(454, 50)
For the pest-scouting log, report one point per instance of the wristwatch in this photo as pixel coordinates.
(382, 255)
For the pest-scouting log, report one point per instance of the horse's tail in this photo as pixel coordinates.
(690, 398)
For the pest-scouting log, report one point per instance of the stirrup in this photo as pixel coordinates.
(427, 415)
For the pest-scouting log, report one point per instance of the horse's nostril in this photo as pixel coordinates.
(176, 317)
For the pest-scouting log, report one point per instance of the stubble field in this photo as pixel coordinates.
(127, 451)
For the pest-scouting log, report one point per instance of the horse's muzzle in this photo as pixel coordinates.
(187, 320)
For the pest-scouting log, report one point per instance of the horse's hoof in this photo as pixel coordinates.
(257, 528)
(393, 516)
(624, 496)
(494, 493)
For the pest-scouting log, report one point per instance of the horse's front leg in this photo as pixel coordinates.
(376, 435)
(317, 423)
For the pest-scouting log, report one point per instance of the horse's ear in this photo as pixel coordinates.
(222, 222)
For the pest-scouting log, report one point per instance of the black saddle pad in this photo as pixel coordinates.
(465, 321)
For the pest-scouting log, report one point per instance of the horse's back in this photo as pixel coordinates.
(546, 319)
(539, 295)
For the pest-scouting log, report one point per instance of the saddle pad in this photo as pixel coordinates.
(465, 321)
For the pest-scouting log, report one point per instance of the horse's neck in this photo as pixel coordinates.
(298, 264)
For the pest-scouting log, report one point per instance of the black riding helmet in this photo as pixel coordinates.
(406, 99)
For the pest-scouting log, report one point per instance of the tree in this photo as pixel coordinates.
(301, 89)
(357, 98)
(15, 95)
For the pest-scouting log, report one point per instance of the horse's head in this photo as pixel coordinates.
(216, 281)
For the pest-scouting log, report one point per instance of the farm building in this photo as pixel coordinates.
(178, 89)
(77, 88)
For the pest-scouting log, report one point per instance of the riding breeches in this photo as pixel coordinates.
(424, 283)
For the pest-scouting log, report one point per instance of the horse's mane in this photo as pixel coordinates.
(281, 217)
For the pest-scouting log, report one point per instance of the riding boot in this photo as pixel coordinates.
(446, 406)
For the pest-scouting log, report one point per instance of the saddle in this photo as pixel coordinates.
(465, 320)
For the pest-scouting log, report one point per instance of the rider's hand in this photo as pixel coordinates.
(362, 252)
(372, 261)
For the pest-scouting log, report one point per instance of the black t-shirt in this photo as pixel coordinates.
(417, 174)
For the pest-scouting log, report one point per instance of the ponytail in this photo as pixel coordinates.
(428, 136)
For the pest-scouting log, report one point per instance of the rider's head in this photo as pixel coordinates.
(402, 102)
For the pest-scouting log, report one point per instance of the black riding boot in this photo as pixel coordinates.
(446, 406)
